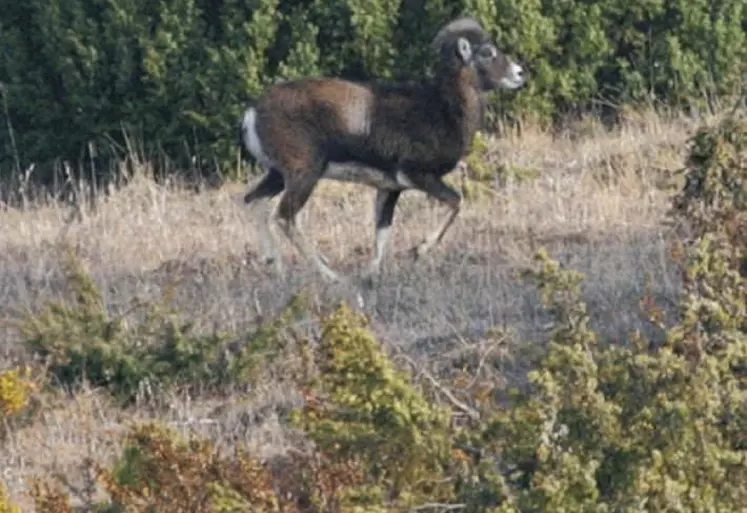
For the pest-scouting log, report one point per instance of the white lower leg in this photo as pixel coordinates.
(380, 245)
(383, 212)
(299, 241)
(270, 251)
(436, 236)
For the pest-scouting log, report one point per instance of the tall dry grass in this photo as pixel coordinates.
(597, 204)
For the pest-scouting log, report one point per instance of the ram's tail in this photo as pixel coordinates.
(243, 151)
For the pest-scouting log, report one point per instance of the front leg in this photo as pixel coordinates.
(384, 205)
(433, 186)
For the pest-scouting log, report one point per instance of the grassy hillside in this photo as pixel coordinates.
(595, 199)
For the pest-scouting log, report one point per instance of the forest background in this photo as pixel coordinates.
(82, 78)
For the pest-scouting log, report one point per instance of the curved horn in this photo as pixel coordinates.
(463, 24)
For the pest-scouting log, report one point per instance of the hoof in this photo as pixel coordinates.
(274, 263)
(369, 281)
(419, 251)
(332, 277)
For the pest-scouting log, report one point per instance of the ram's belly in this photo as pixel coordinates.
(361, 174)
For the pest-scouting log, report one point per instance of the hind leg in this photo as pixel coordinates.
(258, 199)
(434, 187)
(293, 200)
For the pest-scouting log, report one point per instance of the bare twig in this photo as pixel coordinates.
(470, 412)
(484, 359)
(437, 505)
(9, 125)
(738, 104)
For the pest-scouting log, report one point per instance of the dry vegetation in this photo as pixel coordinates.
(597, 203)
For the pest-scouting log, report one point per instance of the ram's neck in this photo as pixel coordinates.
(463, 101)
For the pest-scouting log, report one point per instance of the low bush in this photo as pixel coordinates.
(482, 172)
(16, 385)
(361, 409)
(159, 471)
(80, 339)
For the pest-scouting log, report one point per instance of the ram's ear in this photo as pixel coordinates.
(464, 50)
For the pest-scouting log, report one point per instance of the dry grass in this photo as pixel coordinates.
(596, 206)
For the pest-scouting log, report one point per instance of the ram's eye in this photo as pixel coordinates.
(488, 52)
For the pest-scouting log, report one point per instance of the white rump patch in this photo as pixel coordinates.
(250, 137)
(514, 77)
(356, 112)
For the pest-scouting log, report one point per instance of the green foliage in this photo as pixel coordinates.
(713, 206)
(160, 471)
(636, 427)
(361, 409)
(714, 196)
(478, 173)
(623, 427)
(619, 428)
(16, 385)
(175, 75)
(481, 171)
(80, 339)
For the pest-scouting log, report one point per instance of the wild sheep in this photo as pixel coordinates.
(390, 136)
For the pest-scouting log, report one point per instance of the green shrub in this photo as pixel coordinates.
(80, 339)
(622, 427)
(160, 471)
(636, 427)
(175, 75)
(15, 387)
(480, 172)
(713, 199)
(361, 409)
